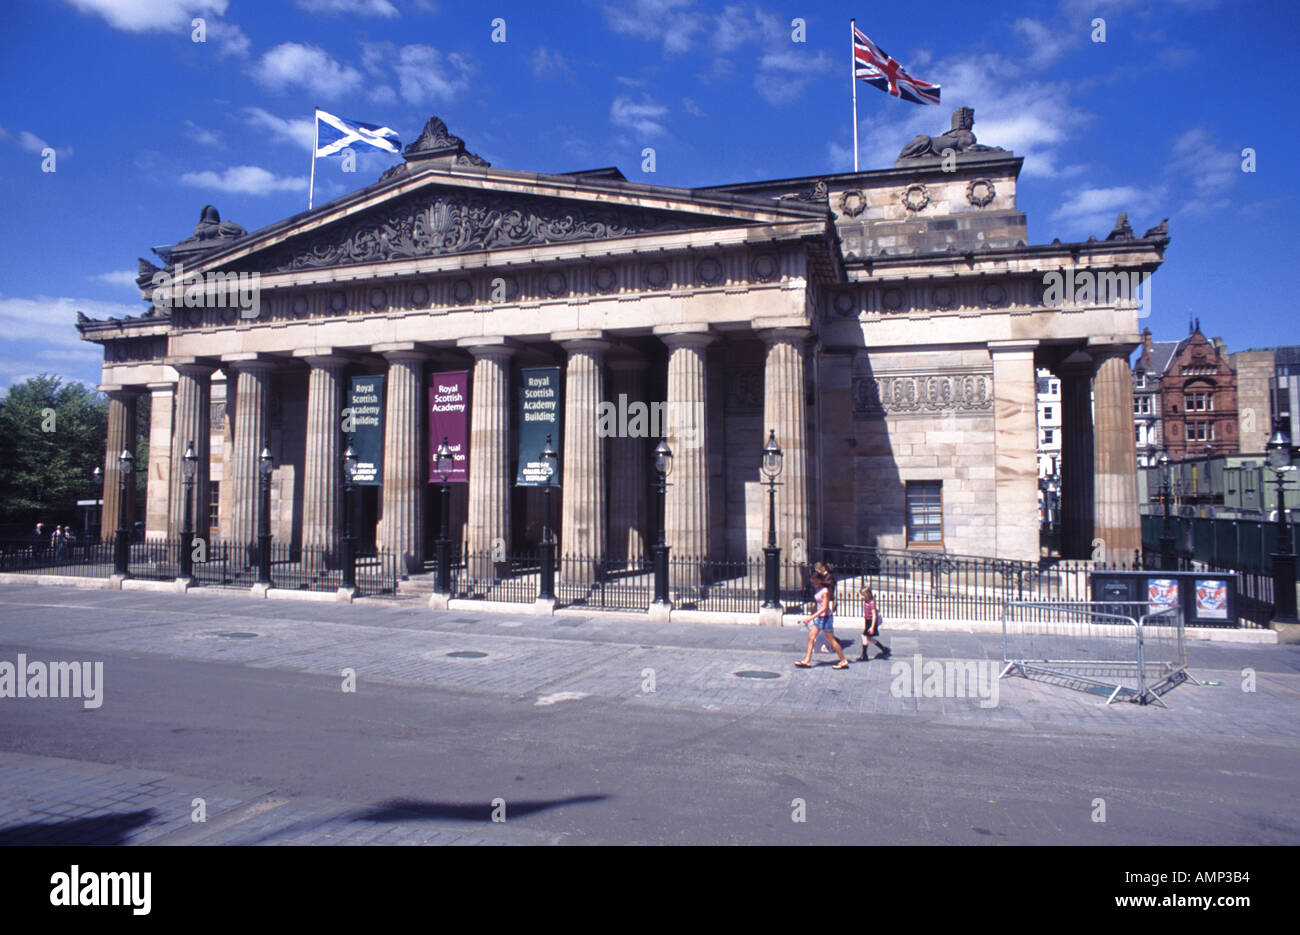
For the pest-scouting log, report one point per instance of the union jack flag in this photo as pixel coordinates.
(877, 68)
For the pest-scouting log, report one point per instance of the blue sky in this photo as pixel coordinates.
(148, 125)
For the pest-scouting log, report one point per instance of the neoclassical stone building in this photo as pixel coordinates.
(887, 325)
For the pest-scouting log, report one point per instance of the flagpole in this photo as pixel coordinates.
(853, 80)
(315, 145)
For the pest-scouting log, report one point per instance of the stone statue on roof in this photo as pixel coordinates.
(959, 139)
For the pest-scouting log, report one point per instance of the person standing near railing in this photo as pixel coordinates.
(871, 624)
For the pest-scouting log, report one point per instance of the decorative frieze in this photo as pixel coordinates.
(961, 393)
(132, 350)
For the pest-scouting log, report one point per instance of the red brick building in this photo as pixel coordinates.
(1198, 399)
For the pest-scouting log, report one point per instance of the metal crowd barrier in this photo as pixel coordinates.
(1136, 650)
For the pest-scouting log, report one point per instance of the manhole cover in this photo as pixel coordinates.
(238, 636)
(466, 654)
(756, 674)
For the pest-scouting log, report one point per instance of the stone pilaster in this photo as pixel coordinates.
(1015, 431)
(582, 520)
(1115, 514)
(322, 467)
(785, 411)
(158, 492)
(401, 525)
(1076, 456)
(686, 505)
(251, 431)
(627, 468)
(121, 436)
(488, 522)
(192, 424)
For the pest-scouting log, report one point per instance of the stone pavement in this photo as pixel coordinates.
(545, 660)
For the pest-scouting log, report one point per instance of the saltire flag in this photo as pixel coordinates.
(334, 134)
(877, 68)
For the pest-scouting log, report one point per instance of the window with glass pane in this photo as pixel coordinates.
(214, 502)
(924, 512)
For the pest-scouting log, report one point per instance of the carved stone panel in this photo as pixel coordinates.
(922, 394)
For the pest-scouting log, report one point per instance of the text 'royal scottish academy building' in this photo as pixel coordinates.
(885, 325)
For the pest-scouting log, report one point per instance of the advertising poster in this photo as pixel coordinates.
(1212, 598)
(449, 419)
(365, 414)
(539, 416)
(1162, 593)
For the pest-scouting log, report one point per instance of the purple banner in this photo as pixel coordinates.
(448, 418)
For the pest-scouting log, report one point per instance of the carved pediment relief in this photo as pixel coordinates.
(438, 222)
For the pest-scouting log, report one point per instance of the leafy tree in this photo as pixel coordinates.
(51, 437)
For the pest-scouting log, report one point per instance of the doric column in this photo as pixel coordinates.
(192, 424)
(322, 467)
(785, 411)
(1076, 456)
(582, 522)
(1115, 515)
(158, 493)
(252, 390)
(627, 467)
(488, 519)
(686, 505)
(121, 436)
(1015, 433)
(401, 527)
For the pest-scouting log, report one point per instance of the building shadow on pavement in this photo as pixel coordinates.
(102, 829)
(403, 810)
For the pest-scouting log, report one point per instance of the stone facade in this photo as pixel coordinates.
(887, 325)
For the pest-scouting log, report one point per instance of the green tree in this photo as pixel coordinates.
(51, 437)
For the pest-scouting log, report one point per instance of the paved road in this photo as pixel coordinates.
(555, 720)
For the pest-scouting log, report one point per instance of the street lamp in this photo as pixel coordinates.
(97, 478)
(265, 466)
(1167, 561)
(549, 461)
(189, 466)
(663, 464)
(770, 464)
(349, 539)
(1280, 456)
(444, 462)
(122, 547)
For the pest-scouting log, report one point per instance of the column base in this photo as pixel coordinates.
(544, 607)
(346, 595)
(661, 613)
(771, 616)
(439, 601)
(184, 584)
(115, 581)
(259, 590)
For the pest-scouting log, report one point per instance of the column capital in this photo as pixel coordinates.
(584, 334)
(250, 361)
(585, 346)
(323, 356)
(1103, 346)
(790, 335)
(193, 366)
(166, 386)
(481, 347)
(401, 350)
(1018, 344)
(123, 392)
(684, 335)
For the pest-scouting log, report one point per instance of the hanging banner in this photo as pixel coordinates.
(365, 415)
(449, 419)
(539, 416)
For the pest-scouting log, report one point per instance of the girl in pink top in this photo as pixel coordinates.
(871, 625)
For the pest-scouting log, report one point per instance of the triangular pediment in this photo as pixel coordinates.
(451, 211)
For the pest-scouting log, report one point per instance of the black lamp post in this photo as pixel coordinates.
(122, 547)
(770, 464)
(549, 461)
(663, 463)
(265, 466)
(349, 538)
(445, 462)
(1280, 457)
(1167, 561)
(189, 466)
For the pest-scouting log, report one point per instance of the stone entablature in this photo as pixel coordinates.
(960, 393)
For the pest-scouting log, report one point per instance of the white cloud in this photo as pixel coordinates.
(426, 75)
(52, 320)
(380, 8)
(671, 21)
(230, 39)
(118, 277)
(293, 64)
(249, 180)
(1045, 44)
(34, 144)
(547, 63)
(200, 135)
(642, 116)
(1212, 168)
(150, 15)
(1092, 211)
(300, 131)
(784, 73)
(692, 108)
